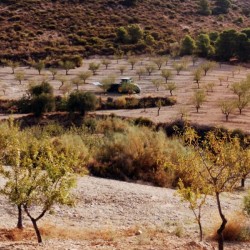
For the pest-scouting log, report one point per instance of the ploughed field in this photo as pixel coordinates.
(222, 76)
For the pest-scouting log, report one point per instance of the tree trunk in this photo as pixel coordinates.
(243, 182)
(227, 117)
(223, 224)
(158, 112)
(201, 232)
(20, 218)
(38, 234)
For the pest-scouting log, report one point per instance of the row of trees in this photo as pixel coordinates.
(223, 46)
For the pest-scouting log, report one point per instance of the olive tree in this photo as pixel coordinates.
(166, 74)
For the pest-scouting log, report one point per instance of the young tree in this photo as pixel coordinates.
(242, 103)
(45, 178)
(167, 74)
(150, 69)
(77, 81)
(157, 83)
(94, 67)
(53, 72)
(84, 76)
(197, 76)
(178, 67)
(199, 98)
(196, 199)
(62, 79)
(20, 76)
(13, 65)
(132, 61)
(171, 86)
(227, 107)
(106, 63)
(67, 66)
(218, 167)
(158, 105)
(122, 69)
(39, 66)
(209, 87)
(241, 89)
(140, 72)
(159, 61)
(208, 66)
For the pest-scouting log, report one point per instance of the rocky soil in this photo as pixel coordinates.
(117, 215)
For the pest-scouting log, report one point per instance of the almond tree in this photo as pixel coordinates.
(140, 72)
(150, 69)
(167, 74)
(208, 66)
(132, 61)
(84, 76)
(242, 103)
(106, 63)
(178, 67)
(20, 76)
(53, 72)
(122, 69)
(67, 66)
(227, 107)
(13, 65)
(159, 62)
(171, 86)
(157, 83)
(94, 67)
(39, 66)
(45, 177)
(199, 98)
(197, 76)
(217, 167)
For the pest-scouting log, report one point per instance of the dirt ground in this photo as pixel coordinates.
(112, 214)
(209, 114)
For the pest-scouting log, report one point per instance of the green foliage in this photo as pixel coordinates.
(42, 99)
(81, 101)
(222, 6)
(188, 45)
(204, 47)
(231, 43)
(204, 7)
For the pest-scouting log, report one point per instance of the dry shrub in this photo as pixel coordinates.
(136, 154)
(16, 234)
(74, 233)
(235, 230)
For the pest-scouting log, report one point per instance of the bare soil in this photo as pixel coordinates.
(111, 214)
(209, 114)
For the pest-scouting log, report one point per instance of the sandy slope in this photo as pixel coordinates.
(113, 208)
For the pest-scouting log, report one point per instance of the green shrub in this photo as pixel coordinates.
(82, 102)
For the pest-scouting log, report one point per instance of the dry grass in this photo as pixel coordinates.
(236, 229)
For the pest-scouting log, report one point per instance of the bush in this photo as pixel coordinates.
(137, 154)
(42, 103)
(82, 102)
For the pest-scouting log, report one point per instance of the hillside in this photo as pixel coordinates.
(42, 28)
(118, 215)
